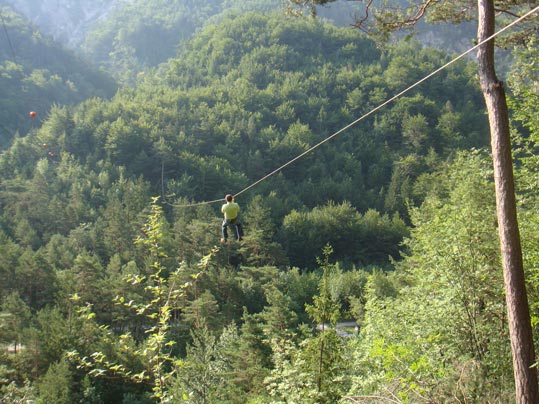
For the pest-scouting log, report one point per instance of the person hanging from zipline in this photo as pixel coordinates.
(231, 212)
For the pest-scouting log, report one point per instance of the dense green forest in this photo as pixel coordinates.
(140, 35)
(36, 73)
(128, 38)
(369, 269)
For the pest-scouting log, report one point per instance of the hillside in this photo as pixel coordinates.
(370, 267)
(66, 21)
(37, 73)
(249, 94)
(121, 36)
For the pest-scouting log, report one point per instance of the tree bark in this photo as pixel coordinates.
(513, 269)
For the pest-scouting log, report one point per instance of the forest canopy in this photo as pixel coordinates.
(244, 97)
(36, 73)
(368, 267)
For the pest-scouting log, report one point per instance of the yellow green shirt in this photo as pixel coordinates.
(230, 210)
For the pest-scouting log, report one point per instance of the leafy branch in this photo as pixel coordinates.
(163, 294)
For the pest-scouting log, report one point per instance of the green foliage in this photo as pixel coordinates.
(289, 380)
(259, 247)
(523, 83)
(216, 130)
(251, 358)
(201, 376)
(438, 324)
(356, 238)
(162, 292)
(36, 74)
(124, 43)
(169, 318)
(324, 310)
(313, 371)
(523, 80)
(324, 353)
(13, 394)
(55, 386)
(278, 317)
(14, 318)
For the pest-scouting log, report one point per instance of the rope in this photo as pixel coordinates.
(372, 111)
(8, 39)
(21, 78)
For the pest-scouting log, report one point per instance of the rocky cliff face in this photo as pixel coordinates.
(67, 21)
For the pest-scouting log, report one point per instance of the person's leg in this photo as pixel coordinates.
(236, 225)
(224, 230)
(240, 230)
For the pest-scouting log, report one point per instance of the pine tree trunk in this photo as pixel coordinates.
(515, 288)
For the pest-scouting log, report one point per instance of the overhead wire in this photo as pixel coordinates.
(12, 49)
(372, 111)
(10, 44)
(19, 69)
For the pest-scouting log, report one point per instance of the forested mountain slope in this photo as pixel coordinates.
(129, 37)
(113, 291)
(36, 73)
(244, 97)
(126, 38)
(140, 35)
(66, 21)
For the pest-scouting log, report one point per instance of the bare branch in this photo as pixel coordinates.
(359, 23)
(389, 24)
(508, 12)
(420, 13)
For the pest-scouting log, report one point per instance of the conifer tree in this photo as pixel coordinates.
(324, 352)
(311, 370)
(202, 374)
(55, 386)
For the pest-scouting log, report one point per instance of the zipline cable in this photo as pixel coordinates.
(372, 111)
(8, 39)
(12, 49)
